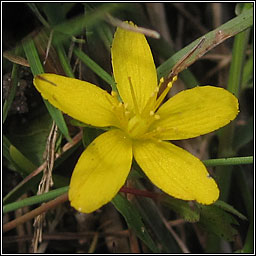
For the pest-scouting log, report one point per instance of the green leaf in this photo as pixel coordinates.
(153, 219)
(30, 139)
(89, 134)
(37, 68)
(21, 161)
(134, 220)
(216, 220)
(64, 61)
(182, 208)
(229, 208)
(32, 57)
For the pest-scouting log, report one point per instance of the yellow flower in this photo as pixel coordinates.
(138, 127)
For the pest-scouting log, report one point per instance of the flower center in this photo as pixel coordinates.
(138, 126)
(136, 123)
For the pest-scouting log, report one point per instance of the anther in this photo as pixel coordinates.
(174, 79)
(151, 113)
(114, 94)
(127, 113)
(136, 108)
(159, 129)
(161, 80)
(169, 85)
(156, 116)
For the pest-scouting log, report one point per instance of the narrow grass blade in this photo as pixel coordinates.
(37, 68)
(11, 96)
(212, 39)
(35, 199)
(229, 161)
(95, 68)
(134, 220)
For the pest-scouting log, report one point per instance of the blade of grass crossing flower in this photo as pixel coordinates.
(95, 68)
(32, 57)
(37, 68)
(212, 39)
(64, 61)
(134, 220)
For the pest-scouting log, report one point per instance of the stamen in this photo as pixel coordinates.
(118, 109)
(150, 104)
(133, 97)
(164, 93)
(160, 82)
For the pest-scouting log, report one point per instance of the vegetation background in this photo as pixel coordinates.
(81, 48)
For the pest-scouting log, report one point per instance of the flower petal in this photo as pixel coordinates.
(175, 171)
(100, 171)
(195, 112)
(79, 99)
(132, 59)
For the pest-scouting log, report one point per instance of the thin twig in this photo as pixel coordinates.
(15, 59)
(30, 215)
(45, 183)
(182, 246)
(67, 236)
(124, 25)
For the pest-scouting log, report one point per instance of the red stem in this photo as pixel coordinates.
(138, 192)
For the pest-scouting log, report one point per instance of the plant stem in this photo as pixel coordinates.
(229, 161)
(30, 215)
